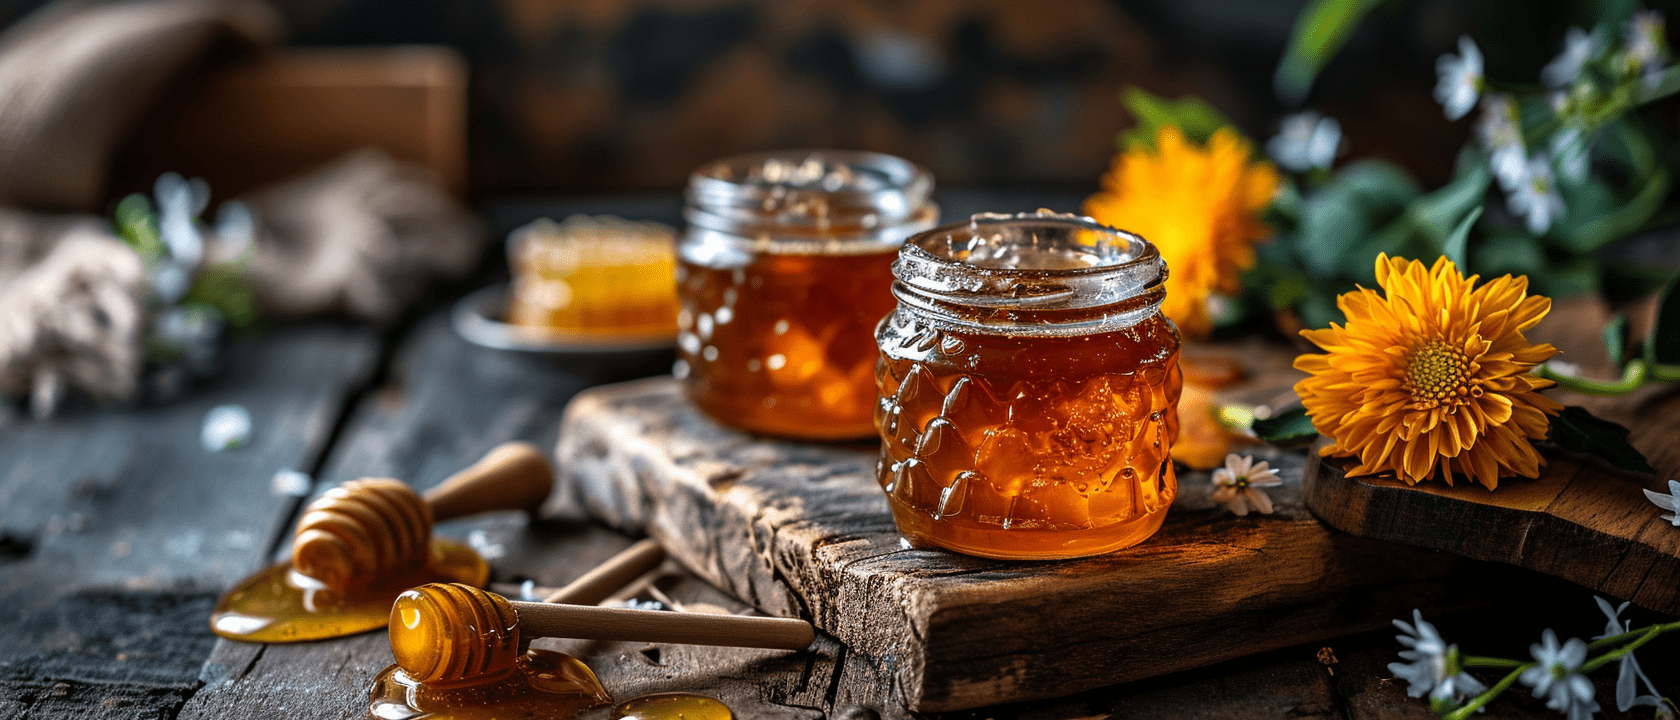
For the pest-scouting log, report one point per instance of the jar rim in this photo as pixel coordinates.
(1146, 253)
(854, 192)
(1038, 274)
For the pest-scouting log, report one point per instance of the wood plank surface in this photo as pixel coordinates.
(803, 530)
(119, 528)
(1581, 520)
(443, 405)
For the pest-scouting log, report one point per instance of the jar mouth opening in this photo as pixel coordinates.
(795, 190)
(1031, 273)
(1040, 245)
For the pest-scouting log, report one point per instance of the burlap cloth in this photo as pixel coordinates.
(361, 237)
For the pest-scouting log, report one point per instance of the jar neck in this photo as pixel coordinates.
(1032, 274)
(809, 202)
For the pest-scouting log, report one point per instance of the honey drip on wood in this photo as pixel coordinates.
(1028, 447)
(541, 685)
(785, 344)
(282, 605)
(356, 548)
(672, 706)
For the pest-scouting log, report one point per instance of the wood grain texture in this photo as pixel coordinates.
(1580, 520)
(443, 406)
(1577, 521)
(123, 527)
(804, 530)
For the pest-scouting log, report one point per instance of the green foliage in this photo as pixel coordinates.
(137, 224)
(1662, 346)
(225, 288)
(1577, 430)
(1193, 116)
(1611, 170)
(1289, 427)
(1320, 31)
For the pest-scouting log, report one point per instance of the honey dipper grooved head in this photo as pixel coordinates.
(362, 530)
(446, 633)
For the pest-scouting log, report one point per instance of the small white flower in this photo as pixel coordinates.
(1646, 52)
(1563, 367)
(1500, 130)
(1460, 79)
(1579, 46)
(226, 427)
(1629, 672)
(1536, 200)
(179, 203)
(480, 541)
(1556, 676)
(1670, 502)
(236, 230)
(1239, 483)
(1430, 672)
(1305, 141)
(1569, 149)
(291, 483)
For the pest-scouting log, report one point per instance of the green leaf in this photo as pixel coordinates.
(1340, 216)
(1511, 252)
(1439, 214)
(1566, 277)
(1668, 85)
(1662, 346)
(1197, 119)
(1289, 427)
(1615, 338)
(1320, 31)
(1577, 430)
(1598, 231)
(137, 224)
(1457, 245)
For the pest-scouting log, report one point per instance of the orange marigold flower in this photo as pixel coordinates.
(1200, 205)
(1434, 375)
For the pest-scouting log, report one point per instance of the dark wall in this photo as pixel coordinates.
(617, 95)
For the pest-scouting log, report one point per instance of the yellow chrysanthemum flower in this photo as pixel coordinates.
(1432, 375)
(1200, 205)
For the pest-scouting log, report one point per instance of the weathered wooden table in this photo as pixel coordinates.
(118, 530)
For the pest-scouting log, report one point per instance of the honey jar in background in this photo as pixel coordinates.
(1028, 388)
(783, 273)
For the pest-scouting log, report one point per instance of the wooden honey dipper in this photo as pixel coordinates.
(446, 634)
(358, 546)
(374, 527)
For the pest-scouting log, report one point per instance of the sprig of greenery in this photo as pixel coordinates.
(1623, 644)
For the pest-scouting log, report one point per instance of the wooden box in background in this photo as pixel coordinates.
(248, 126)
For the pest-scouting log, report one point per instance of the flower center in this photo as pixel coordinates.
(1437, 372)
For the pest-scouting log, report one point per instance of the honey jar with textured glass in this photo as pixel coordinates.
(1028, 388)
(783, 274)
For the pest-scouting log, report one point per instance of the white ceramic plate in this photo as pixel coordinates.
(478, 318)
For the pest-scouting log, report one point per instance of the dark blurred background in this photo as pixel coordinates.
(591, 96)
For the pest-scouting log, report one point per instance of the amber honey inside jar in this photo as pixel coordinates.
(784, 272)
(1028, 389)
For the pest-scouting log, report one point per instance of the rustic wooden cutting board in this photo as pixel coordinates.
(1577, 521)
(804, 530)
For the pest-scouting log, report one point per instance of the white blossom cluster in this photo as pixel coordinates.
(1556, 672)
(1529, 176)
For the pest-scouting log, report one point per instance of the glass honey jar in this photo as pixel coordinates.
(1028, 388)
(783, 274)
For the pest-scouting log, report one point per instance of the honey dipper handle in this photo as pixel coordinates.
(587, 622)
(611, 576)
(512, 476)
